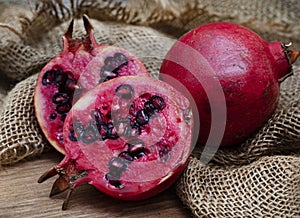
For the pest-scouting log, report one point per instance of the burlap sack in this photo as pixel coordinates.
(269, 187)
(259, 178)
(273, 19)
(20, 136)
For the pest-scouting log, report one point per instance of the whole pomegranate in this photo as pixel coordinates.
(129, 137)
(82, 64)
(247, 70)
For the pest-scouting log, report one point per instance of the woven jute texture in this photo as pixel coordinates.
(19, 132)
(259, 178)
(269, 187)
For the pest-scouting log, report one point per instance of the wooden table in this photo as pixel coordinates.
(22, 196)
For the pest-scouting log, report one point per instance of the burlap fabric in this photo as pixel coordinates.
(258, 178)
(269, 187)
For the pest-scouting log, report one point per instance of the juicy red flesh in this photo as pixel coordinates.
(151, 139)
(82, 65)
(101, 127)
(63, 82)
(117, 165)
(136, 147)
(127, 136)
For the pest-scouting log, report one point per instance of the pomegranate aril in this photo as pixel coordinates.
(157, 102)
(109, 70)
(136, 149)
(90, 134)
(78, 127)
(48, 77)
(125, 91)
(164, 154)
(72, 136)
(116, 166)
(142, 118)
(111, 63)
(112, 66)
(124, 129)
(103, 129)
(112, 132)
(149, 108)
(126, 132)
(60, 78)
(135, 144)
(125, 155)
(53, 116)
(121, 125)
(121, 59)
(60, 98)
(114, 181)
(76, 131)
(135, 131)
(108, 132)
(63, 108)
(97, 116)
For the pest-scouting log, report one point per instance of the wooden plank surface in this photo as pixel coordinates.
(22, 196)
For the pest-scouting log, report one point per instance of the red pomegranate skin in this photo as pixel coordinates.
(247, 67)
(83, 61)
(109, 163)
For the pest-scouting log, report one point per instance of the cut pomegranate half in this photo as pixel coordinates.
(129, 137)
(80, 66)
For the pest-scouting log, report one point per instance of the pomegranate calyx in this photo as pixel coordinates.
(68, 34)
(59, 186)
(87, 24)
(68, 175)
(47, 175)
(293, 55)
(88, 42)
(67, 200)
(70, 44)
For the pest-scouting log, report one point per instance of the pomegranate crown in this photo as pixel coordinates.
(88, 41)
(292, 55)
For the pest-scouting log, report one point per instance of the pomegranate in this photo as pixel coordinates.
(129, 137)
(80, 66)
(247, 69)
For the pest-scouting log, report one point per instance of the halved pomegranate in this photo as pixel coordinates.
(129, 137)
(80, 66)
